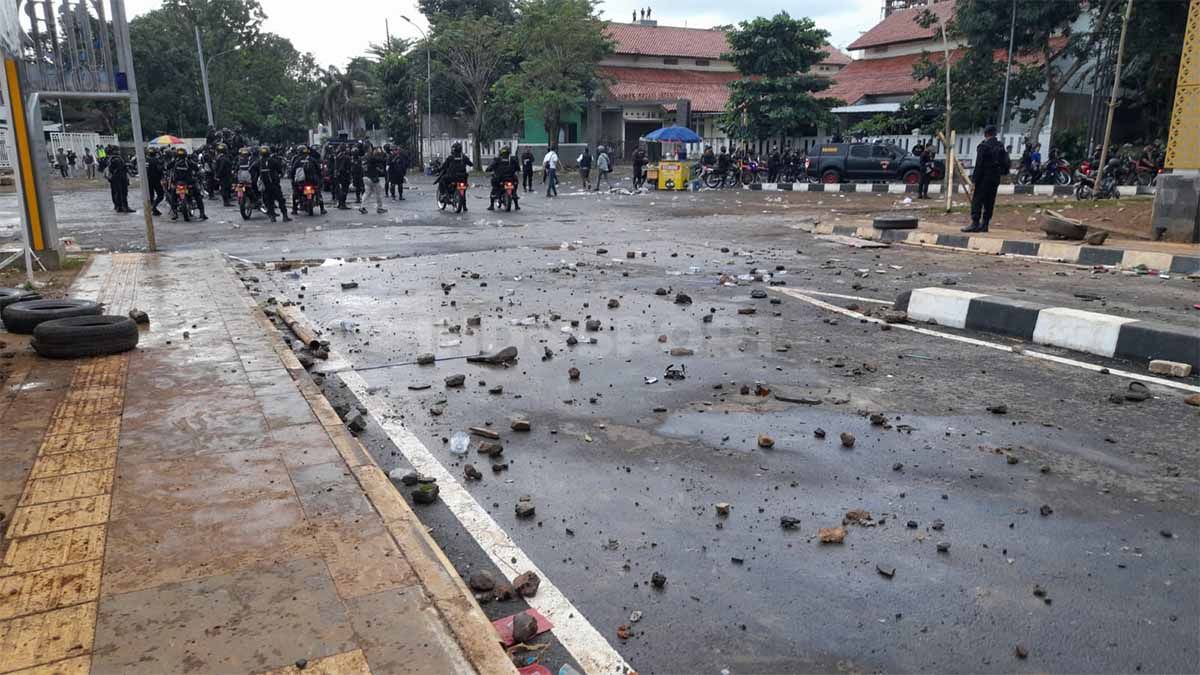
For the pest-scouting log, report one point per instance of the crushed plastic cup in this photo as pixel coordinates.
(460, 442)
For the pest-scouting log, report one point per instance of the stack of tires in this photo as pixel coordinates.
(66, 328)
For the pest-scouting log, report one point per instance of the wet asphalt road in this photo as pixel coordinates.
(633, 470)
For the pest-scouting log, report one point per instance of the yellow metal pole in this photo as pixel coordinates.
(1183, 143)
(26, 168)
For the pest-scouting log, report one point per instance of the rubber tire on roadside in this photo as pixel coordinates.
(81, 336)
(894, 223)
(10, 295)
(25, 316)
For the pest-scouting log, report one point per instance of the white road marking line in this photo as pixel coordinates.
(843, 297)
(992, 345)
(586, 644)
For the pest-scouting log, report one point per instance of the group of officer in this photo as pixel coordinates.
(215, 168)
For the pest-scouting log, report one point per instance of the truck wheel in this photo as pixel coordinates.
(894, 222)
(830, 176)
(911, 177)
(82, 336)
(23, 317)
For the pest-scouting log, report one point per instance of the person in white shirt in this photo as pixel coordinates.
(550, 162)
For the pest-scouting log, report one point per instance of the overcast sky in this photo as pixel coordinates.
(335, 31)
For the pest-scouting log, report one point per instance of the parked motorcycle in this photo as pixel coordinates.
(1085, 187)
(1051, 173)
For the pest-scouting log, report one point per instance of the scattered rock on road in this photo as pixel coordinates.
(506, 355)
(658, 580)
(765, 441)
(527, 584)
(1046, 510)
(455, 381)
(998, 409)
(788, 522)
(524, 628)
(139, 317)
(471, 473)
(521, 424)
(484, 432)
(832, 535)
(886, 571)
(847, 439)
(481, 581)
(525, 508)
(573, 373)
(426, 493)
(683, 299)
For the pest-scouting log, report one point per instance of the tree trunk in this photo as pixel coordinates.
(477, 146)
(552, 124)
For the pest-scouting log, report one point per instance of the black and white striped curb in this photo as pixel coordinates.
(1051, 251)
(934, 189)
(1080, 330)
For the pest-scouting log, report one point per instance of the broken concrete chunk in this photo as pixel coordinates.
(490, 449)
(847, 439)
(1170, 368)
(471, 473)
(506, 355)
(683, 299)
(356, 422)
(521, 424)
(484, 432)
(525, 508)
(886, 571)
(658, 580)
(573, 373)
(895, 316)
(139, 317)
(613, 303)
(592, 325)
(831, 535)
(455, 381)
(682, 351)
(788, 522)
(425, 359)
(765, 441)
(722, 508)
(349, 285)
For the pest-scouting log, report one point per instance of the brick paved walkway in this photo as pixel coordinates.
(192, 507)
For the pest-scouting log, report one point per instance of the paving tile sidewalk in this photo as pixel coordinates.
(193, 507)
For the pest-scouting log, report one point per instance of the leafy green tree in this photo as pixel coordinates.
(1045, 33)
(249, 69)
(1153, 48)
(559, 44)
(439, 10)
(473, 51)
(775, 96)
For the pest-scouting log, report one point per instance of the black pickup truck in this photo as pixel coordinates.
(838, 162)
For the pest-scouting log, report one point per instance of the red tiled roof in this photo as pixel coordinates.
(893, 75)
(688, 43)
(877, 77)
(691, 43)
(835, 56)
(708, 91)
(900, 27)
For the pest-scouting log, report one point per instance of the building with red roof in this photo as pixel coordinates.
(658, 76)
(881, 78)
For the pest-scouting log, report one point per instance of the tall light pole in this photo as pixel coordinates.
(428, 83)
(1012, 29)
(204, 73)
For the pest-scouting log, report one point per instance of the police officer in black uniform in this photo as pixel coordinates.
(118, 183)
(223, 172)
(503, 168)
(270, 171)
(453, 169)
(991, 164)
(154, 178)
(183, 169)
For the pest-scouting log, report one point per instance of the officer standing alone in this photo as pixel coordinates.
(991, 164)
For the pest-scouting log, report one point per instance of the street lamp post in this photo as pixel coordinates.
(204, 64)
(428, 84)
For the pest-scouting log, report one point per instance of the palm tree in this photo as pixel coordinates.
(336, 99)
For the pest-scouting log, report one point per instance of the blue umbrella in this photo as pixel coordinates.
(674, 134)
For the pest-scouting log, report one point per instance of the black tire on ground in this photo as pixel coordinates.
(10, 295)
(81, 336)
(894, 222)
(23, 317)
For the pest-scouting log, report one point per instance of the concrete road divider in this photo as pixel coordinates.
(1091, 332)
